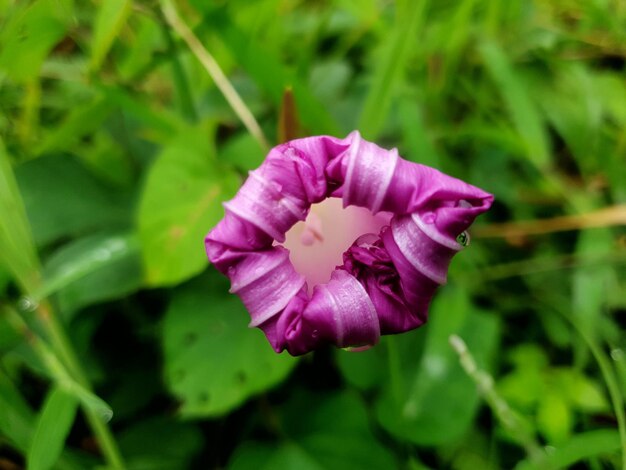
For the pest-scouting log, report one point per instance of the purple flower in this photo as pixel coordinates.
(411, 218)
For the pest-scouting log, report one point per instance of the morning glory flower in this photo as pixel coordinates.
(337, 241)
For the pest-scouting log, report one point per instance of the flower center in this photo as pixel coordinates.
(316, 245)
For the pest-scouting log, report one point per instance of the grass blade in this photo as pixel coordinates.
(54, 425)
(394, 54)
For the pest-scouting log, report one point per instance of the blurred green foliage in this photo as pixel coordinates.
(117, 149)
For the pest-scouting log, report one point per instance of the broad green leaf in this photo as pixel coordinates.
(442, 401)
(362, 369)
(91, 269)
(62, 198)
(17, 250)
(109, 21)
(53, 426)
(29, 36)
(181, 201)
(213, 361)
(521, 108)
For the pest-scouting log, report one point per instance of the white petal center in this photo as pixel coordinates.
(316, 245)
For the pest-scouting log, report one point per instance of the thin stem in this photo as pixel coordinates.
(68, 367)
(605, 217)
(500, 407)
(103, 433)
(215, 71)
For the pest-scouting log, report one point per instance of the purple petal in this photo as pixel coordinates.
(386, 281)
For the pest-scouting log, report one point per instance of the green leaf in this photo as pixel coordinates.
(109, 21)
(269, 457)
(17, 250)
(554, 418)
(62, 198)
(243, 152)
(213, 361)
(181, 201)
(442, 401)
(55, 422)
(362, 369)
(91, 269)
(521, 108)
(29, 36)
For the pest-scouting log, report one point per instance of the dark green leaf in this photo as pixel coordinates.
(95, 268)
(63, 199)
(213, 361)
(441, 402)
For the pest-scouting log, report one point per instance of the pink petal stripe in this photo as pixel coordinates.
(386, 282)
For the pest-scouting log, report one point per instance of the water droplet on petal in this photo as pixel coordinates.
(315, 334)
(463, 239)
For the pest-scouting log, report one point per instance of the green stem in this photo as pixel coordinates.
(509, 419)
(66, 369)
(103, 433)
(608, 374)
(214, 70)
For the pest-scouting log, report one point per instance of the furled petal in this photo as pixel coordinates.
(387, 280)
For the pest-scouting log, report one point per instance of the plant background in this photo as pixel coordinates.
(118, 149)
